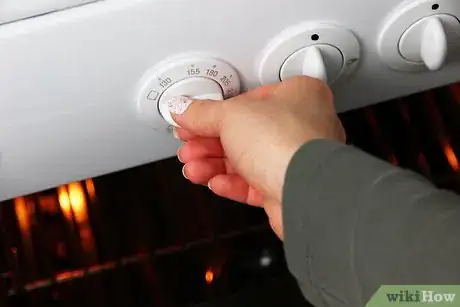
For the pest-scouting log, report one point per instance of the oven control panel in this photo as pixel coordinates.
(81, 86)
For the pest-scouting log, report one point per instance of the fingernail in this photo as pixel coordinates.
(178, 156)
(179, 104)
(183, 172)
(176, 136)
(209, 185)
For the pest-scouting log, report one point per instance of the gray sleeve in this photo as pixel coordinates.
(353, 223)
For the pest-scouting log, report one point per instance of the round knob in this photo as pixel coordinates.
(195, 88)
(192, 74)
(320, 61)
(428, 41)
(324, 51)
(421, 35)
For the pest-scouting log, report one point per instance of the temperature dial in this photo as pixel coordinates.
(196, 88)
(195, 76)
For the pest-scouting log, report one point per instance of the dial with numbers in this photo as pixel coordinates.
(196, 76)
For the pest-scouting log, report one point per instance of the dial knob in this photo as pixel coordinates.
(195, 88)
(320, 61)
(194, 75)
(429, 40)
(421, 35)
(324, 51)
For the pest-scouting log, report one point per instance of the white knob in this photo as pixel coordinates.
(195, 88)
(321, 61)
(434, 44)
(314, 65)
(428, 41)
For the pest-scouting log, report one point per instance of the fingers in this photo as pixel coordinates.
(183, 135)
(201, 117)
(205, 117)
(216, 174)
(200, 148)
(201, 171)
(235, 188)
(274, 212)
(260, 93)
(300, 87)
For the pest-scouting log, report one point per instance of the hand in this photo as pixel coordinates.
(241, 147)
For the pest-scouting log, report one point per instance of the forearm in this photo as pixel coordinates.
(353, 223)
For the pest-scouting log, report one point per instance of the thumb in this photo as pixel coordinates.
(201, 117)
